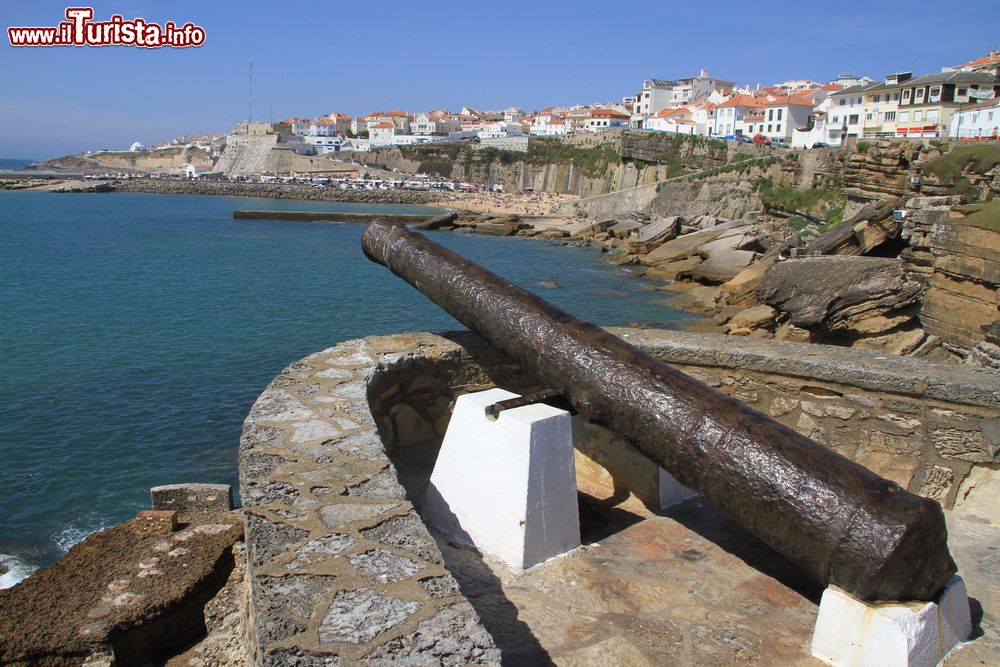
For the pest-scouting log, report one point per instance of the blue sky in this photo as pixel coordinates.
(311, 58)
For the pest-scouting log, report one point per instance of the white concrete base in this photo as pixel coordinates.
(851, 633)
(673, 492)
(507, 486)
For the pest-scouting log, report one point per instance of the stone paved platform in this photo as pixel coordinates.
(334, 456)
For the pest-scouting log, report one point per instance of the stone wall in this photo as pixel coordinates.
(341, 568)
(923, 425)
(336, 453)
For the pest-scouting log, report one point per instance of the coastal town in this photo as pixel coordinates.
(961, 102)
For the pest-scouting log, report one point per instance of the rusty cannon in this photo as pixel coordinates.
(835, 519)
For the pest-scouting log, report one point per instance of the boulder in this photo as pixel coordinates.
(495, 229)
(723, 265)
(734, 241)
(623, 228)
(648, 237)
(790, 332)
(673, 270)
(680, 247)
(842, 294)
(753, 318)
(437, 221)
(741, 288)
(698, 300)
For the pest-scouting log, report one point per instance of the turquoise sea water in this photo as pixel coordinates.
(136, 331)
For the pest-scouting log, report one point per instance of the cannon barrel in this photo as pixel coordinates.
(835, 519)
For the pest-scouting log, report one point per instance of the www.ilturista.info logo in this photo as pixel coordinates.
(80, 30)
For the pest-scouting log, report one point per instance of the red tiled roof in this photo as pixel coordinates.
(741, 100)
(985, 60)
(790, 100)
(607, 113)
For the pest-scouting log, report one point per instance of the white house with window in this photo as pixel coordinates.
(846, 114)
(605, 119)
(323, 144)
(978, 121)
(548, 125)
(427, 125)
(729, 115)
(678, 120)
(499, 129)
(382, 134)
(785, 114)
(659, 94)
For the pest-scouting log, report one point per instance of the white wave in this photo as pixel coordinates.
(17, 570)
(71, 536)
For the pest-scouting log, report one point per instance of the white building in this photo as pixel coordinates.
(324, 144)
(382, 134)
(425, 124)
(499, 129)
(548, 125)
(605, 119)
(796, 85)
(783, 115)
(659, 94)
(513, 114)
(729, 116)
(846, 114)
(850, 81)
(978, 120)
(671, 120)
(323, 127)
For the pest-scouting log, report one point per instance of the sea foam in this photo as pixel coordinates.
(17, 571)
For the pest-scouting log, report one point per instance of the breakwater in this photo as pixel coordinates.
(328, 216)
(277, 191)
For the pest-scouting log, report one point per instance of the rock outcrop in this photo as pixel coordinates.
(960, 265)
(863, 233)
(842, 296)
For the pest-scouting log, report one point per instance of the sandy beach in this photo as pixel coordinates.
(533, 204)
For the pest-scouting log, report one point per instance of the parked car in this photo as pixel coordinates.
(821, 144)
(761, 139)
(744, 139)
(779, 143)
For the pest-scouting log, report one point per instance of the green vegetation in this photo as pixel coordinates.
(986, 215)
(592, 162)
(797, 222)
(952, 167)
(743, 167)
(825, 203)
(436, 159)
(863, 146)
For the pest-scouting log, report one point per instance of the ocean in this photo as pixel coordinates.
(136, 330)
(14, 164)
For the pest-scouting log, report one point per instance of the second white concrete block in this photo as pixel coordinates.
(852, 633)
